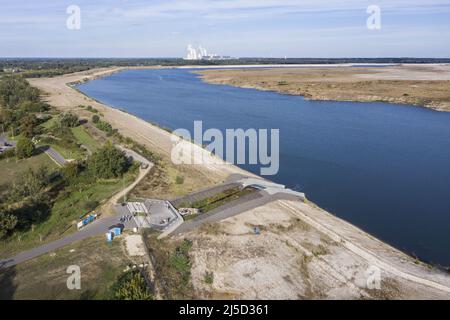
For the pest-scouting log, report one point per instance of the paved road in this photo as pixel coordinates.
(233, 208)
(267, 192)
(4, 140)
(55, 156)
(98, 227)
(136, 156)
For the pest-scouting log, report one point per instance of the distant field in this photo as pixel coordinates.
(424, 85)
(45, 277)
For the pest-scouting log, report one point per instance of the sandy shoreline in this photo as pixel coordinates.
(61, 95)
(426, 85)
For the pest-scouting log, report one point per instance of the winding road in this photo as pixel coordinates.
(98, 227)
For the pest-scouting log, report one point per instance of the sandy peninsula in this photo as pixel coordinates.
(425, 85)
(305, 252)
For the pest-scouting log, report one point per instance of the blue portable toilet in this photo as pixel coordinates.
(109, 236)
(116, 231)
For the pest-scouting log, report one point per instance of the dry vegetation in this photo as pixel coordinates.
(288, 259)
(171, 266)
(45, 277)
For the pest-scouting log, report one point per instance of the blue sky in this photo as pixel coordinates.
(277, 28)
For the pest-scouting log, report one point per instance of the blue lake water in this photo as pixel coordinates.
(382, 167)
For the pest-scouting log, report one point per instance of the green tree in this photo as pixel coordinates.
(30, 183)
(7, 223)
(95, 118)
(108, 162)
(68, 120)
(70, 172)
(14, 91)
(29, 126)
(24, 148)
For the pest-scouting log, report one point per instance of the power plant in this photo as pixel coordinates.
(202, 54)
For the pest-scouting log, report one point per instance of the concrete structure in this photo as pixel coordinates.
(152, 214)
(269, 187)
(136, 157)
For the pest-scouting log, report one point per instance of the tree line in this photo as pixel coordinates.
(29, 201)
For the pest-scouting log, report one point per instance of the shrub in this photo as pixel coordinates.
(24, 148)
(7, 223)
(95, 118)
(209, 277)
(90, 205)
(9, 153)
(132, 286)
(70, 172)
(181, 262)
(104, 126)
(68, 120)
(89, 108)
(179, 180)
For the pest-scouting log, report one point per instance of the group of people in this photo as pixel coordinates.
(126, 218)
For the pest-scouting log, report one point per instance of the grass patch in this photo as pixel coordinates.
(84, 138)
(68, 153)
(12, 168)
(220, 199)
(50, 123)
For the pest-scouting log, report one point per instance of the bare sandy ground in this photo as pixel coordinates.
(302, 251)
(134, 245)
(423, 85)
